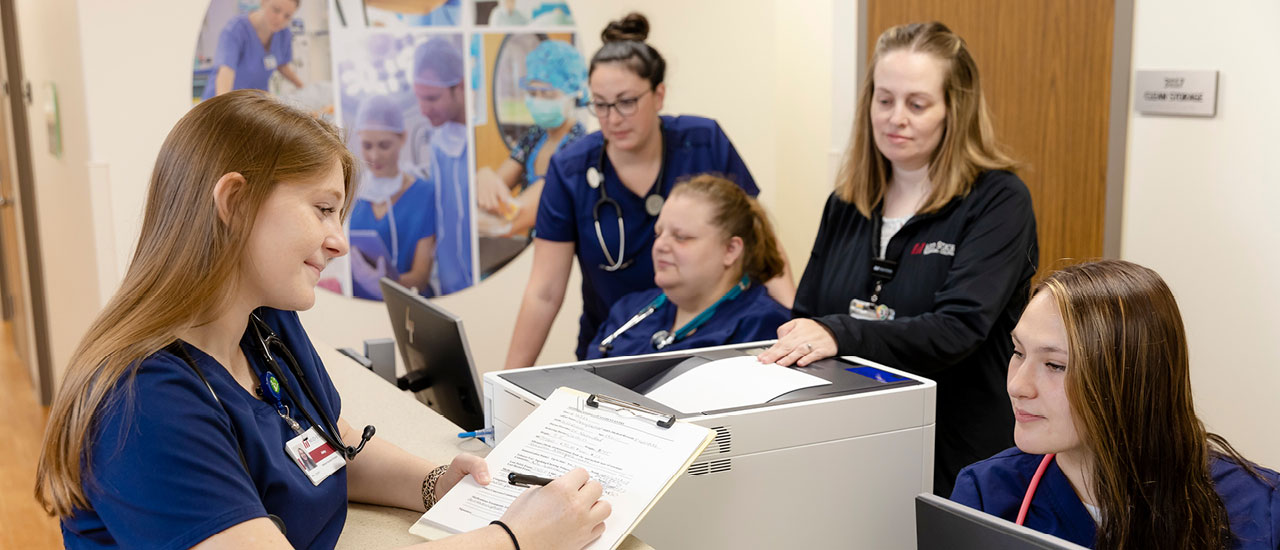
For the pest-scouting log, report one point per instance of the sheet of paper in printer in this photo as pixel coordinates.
(733, 382)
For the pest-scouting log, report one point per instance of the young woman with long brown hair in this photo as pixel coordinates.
(1100, 386)
(170, 430)
(926, 249)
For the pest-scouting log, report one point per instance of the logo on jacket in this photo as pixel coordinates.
(936, 247)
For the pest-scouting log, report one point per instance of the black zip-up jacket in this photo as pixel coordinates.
(962, 280)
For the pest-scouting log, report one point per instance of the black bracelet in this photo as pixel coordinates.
(504, 527)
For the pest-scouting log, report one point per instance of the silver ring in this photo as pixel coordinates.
(809, 347)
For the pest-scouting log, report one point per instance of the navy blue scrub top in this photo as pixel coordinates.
(165, 472)
(998, 484)
(751, 317)
(693, 145)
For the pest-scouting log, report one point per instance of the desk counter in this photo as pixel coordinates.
(403, 420)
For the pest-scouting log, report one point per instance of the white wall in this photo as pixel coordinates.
(1200, 199)
(50, 51)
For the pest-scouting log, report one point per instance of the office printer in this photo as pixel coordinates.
(834, 466)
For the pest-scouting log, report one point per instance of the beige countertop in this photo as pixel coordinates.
(403, 420)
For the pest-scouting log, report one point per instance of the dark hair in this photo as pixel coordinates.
(624, 43)
(739, 215)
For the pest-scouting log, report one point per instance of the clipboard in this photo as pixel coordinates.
(635, 452)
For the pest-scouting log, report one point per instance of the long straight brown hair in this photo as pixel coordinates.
(968, 145)
(1129, 386)
(185, 261)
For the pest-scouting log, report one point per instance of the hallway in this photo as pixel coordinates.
(23, 524)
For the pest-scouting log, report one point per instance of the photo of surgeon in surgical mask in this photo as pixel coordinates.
(439, 148)
(553, 85)
(393, 221)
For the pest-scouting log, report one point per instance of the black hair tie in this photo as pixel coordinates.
(504, 527)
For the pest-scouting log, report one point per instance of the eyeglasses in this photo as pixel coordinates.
(625, 106)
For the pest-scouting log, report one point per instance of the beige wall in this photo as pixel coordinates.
(50, 47)
(1200, 199)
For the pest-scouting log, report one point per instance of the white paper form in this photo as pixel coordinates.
(629, 454)
(732, 382)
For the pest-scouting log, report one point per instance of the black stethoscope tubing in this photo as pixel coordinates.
(595, 178)
(328, 430)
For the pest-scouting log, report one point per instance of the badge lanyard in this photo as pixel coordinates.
(663, 338)
(882, 268)
(882, 271)
(269, 390)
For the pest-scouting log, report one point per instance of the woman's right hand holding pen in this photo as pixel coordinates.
(566, 513)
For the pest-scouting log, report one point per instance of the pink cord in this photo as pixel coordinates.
(1031, 489)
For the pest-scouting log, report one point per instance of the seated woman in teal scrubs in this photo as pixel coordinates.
(170, 430)
(713, 249)
(1110, 452)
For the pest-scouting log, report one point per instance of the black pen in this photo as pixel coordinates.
(525, 480)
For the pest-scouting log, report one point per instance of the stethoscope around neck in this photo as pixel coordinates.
(652, 206)
(273, 379)
(664, 338)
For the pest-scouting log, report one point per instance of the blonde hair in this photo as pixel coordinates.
(968, 144)
(185, 261)
(739, 215)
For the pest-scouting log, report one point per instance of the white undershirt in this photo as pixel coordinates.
(888, 228)
(1094, 511)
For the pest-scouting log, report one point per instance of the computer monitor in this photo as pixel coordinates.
(943, 524)
(436, 357)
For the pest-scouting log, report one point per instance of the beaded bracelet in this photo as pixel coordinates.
(429, 485)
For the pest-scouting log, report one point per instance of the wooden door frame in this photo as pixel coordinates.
(19, 90)
(1117, 118)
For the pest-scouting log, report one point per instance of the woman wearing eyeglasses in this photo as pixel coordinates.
(602, 195)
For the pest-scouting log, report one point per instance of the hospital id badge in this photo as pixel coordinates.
(867, 311)
(269, 62)
(314, 456)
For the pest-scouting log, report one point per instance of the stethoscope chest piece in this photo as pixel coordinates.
(593, 177)
(653, 204)
(660, 339)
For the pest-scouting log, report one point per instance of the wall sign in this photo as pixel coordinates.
(1186, 93)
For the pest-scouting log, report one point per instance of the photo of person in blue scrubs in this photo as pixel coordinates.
(713, 249)
(252, 47)
(603, 193)
(393, 220)
(554, 83)
(1110, 451)
(438, 84)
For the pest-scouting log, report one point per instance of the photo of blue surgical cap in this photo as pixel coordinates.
(558, 64)
(379, 112)
(438, 62)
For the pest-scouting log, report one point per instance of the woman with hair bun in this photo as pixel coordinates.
(603, 194)
(713, 249)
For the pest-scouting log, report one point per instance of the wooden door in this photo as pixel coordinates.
(12, 253)
(1046, 70)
